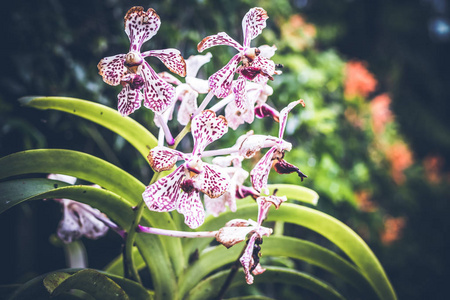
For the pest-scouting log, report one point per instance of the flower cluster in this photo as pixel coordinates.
(221, 182)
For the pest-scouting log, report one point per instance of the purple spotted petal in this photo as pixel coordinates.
(163, 158)
(218, 39)
(266, 110)
(253, 23)
(260, 172)
(112, 69)
(220, 82)
(164, 193)
(239, 92)
(129, 100)
(284, 114)
(250, 258)
(266, 67)
(213, 180)
(140, 26)
(158, 94)
(264, 203)
(171, 58)
(206, 128)
(190, 205)
(169, 78)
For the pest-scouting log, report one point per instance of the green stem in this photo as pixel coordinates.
(129, 266)
(181, 135)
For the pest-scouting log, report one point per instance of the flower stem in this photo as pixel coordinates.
(234, 268)
(129, 266)
(166, 130)
(205, 102)
(181, 135)
(175, 233)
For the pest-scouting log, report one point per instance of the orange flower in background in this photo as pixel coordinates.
(381, 113)
(358, 80)
(401, 158)
(393, 229)
(298, 33)
(433, 168)
(364, 202)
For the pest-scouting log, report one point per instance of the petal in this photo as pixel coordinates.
(215, 206)
(260, 172)
(69, 228)
(265, 110)
(266, 67)
(169, 78)
(190, 205)
(140, 26)
(112, 69)
(284, 113)
(236, 116)
(253, 23)
(218, 39)
(226, 161)
(235, 231)
(239, 92)
(206, 128)
(164, 193)
(188, 104)
(91, 227)
(129, 100)
(158, 94)
(267, 51)
(201, 86)
(163, 158)
(213, 180)
(247, 259)
(251, 143)
(195, 62)
(220, 82)
(283, 167)
(171, 58)
(264, 203)
(63, 178)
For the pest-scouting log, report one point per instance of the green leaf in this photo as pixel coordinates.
(129, 129)
(295, 192)
(90, 281)
(209, 288)
(342, 236)
(36, 288)
(119, 210)
(217, 257)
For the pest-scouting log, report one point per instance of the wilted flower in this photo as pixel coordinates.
(381, 113)
(79, 219)
(273, 157)
(401, 158)
(254, 66)
(134, 73)
(237, 230)
(180, 189)
(393, 229)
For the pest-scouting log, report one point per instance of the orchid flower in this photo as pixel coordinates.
(233, 166)
(188, 92)
(80, 219)
(134, 73)
(237, 230)
(274, 157)
(254, 66)
(180, 189)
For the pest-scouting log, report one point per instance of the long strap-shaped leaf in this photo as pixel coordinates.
(207, 289)
(215, 258)
(129, 129)
(342, 236)
(95, 170)
(119, 210)
(334, 230)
